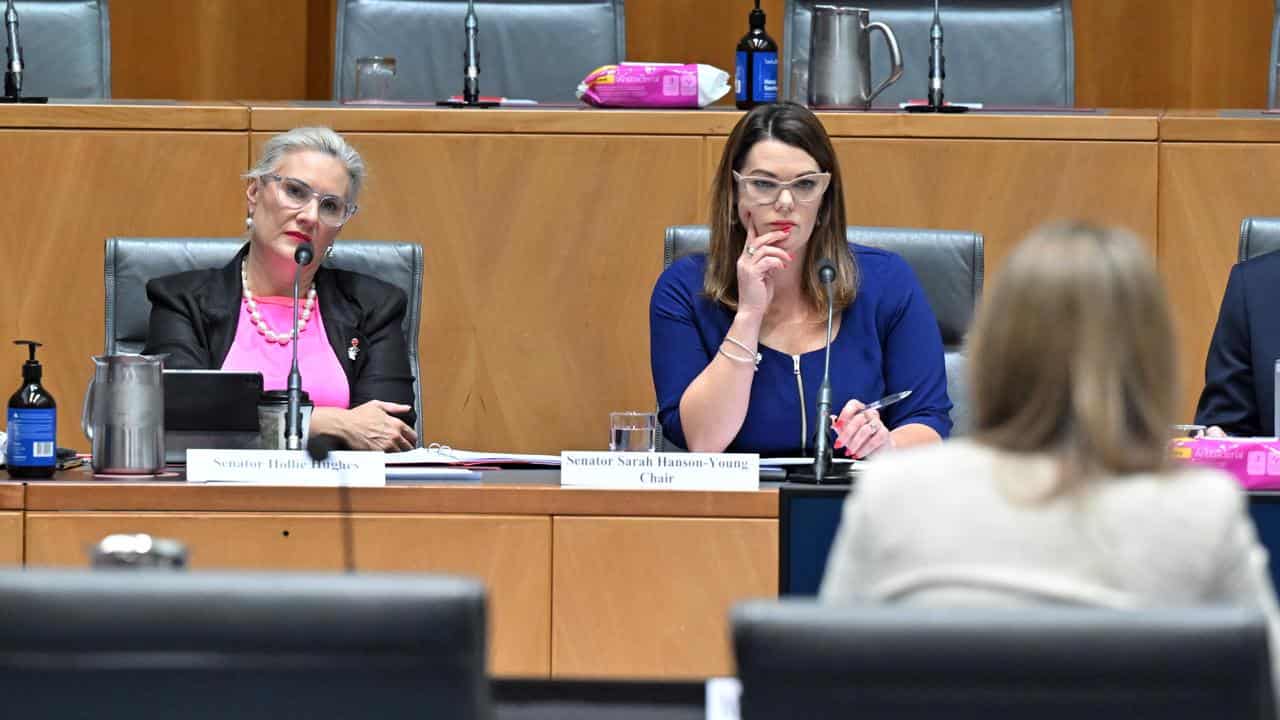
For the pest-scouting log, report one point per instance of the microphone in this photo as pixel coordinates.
(937, 63)
(318, 448)
(822, 445)
(471, 57)
(293, 422)
(13, 70)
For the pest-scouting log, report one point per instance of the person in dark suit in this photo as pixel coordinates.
(1239, 372)
(351, 350)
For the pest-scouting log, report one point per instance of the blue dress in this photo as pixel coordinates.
(888, 342)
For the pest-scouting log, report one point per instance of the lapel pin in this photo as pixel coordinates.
(354, 350)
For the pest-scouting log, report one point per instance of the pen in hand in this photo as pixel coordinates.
(885, 401)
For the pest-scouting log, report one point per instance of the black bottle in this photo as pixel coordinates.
(32, 423)
(756, 71)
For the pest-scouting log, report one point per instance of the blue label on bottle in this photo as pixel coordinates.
(740, 76)
(765, 77)
(32, 437)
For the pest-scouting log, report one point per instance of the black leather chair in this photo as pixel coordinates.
(948, 263)
(999, 52)
(1259, 236)
(121, 644)
(66, 48)
(808, 660)
(538, 49)
(131, 262)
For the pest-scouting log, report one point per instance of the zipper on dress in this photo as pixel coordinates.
(804, 414)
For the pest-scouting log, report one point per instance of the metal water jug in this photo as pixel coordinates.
(123, 414)
(840, 57)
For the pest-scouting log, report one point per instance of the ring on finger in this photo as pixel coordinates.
(750, 250)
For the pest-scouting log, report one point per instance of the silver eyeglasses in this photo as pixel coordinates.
(766, 190)
(295, 194)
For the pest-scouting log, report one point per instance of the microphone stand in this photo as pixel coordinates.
(293, 422)
(471, 65)
(937, 71)
(822, 445)
(14, 67)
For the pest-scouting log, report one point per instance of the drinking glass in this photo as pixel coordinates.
(633, 431)
(375, 77)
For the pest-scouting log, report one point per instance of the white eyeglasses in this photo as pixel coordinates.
(294, 194)
(766, 190)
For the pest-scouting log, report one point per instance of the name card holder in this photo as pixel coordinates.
(287, 467)
(659, 471)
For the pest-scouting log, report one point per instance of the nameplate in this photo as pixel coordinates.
(659, 471)
(286, 467)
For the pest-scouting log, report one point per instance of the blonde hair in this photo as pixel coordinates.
(796, 126)
(1072, 354)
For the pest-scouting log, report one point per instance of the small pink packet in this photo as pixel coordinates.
(653, 85)
(1255, 462)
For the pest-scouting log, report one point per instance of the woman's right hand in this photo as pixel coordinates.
(758, 260)
(371, 427)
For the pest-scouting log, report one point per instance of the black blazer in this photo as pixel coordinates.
(1239, 373)
(194, 316)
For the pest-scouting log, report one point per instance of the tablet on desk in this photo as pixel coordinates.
(209, 409)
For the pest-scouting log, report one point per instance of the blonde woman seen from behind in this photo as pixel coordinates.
(1064, 493)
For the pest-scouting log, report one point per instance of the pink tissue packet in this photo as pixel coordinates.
(1255, 462)
(653, 85)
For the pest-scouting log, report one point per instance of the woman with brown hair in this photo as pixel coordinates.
(1064, 494)
(737, 335)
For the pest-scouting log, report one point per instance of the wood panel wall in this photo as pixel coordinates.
(1129, 53)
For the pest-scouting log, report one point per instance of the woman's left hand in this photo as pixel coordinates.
(859, 433)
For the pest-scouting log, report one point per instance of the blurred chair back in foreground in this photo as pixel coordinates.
(812, 660)
(117, 644)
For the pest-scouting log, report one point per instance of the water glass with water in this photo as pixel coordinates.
(633, 431)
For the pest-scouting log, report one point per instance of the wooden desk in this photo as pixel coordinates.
(12, 500)
(582, 583)
(1216, 168)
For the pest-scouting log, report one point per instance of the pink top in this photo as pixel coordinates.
(322, 375)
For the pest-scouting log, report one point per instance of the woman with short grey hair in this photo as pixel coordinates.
(351, 350)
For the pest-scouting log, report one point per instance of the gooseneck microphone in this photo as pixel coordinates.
(293, 423)
(822, 447)
(821, 471)
(13, 69)
(937, 62)
(471, 56)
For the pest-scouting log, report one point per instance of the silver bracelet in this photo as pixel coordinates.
(743, 345)
(735, 358)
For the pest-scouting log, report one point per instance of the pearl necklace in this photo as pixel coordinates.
(263, 328)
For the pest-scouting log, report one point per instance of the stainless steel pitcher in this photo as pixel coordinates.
(123, 414)
(840, 57)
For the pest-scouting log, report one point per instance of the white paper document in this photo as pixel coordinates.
(801, 461)
(445, 455)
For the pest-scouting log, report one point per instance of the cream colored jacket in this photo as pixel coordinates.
(963, 524)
